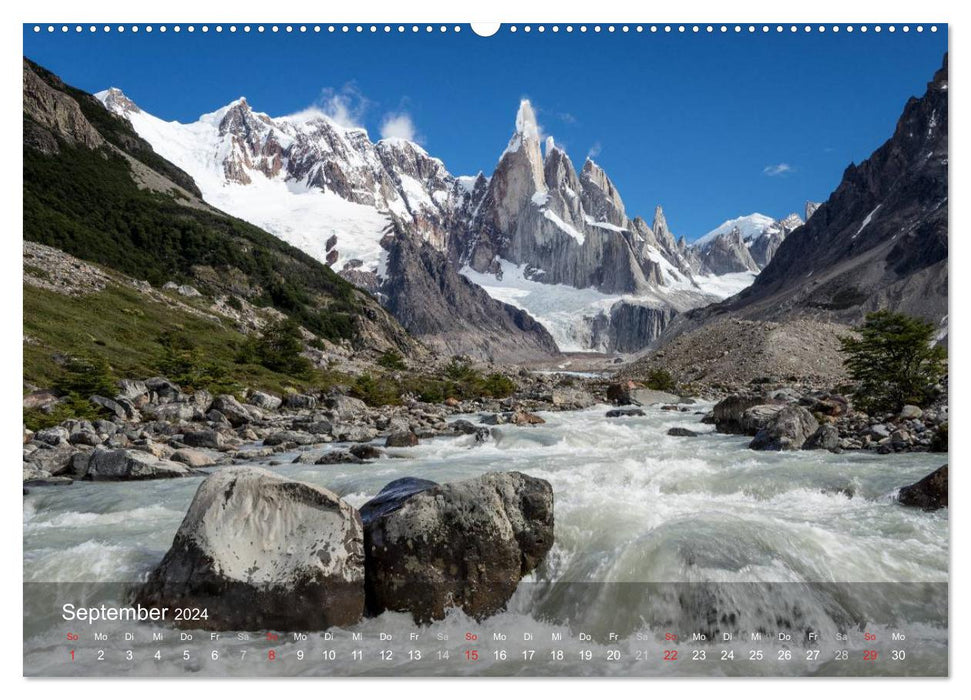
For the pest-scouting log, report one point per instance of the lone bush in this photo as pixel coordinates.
(894, 361)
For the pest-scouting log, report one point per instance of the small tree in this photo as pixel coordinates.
(279, 348)
(894, 361)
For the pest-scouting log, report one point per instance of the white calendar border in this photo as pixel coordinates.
(603, 11)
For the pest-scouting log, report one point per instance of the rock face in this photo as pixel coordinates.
(452, 315)
(263, 552)
(930, 493)
(787, 430)
(879, 242)
(743, 244)
(465, 544)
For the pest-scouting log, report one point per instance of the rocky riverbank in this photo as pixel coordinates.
(154, 429)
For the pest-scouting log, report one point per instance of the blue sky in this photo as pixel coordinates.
(710, 126)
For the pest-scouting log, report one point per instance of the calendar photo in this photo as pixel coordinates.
(451, 350)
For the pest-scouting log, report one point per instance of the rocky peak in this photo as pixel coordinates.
(811, 208)
(661, 230)
(116, 101)
(601, 200)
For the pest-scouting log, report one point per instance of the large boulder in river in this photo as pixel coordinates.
(465, 544)
(930, 493)
(727, 414)
(826, 437)
(788, 430)
(259, 551)
(132, 465)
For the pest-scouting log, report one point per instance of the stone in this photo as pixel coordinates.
(682, 432)
(193, 458)
(346, 408)
(401, 439)
(299, 401)
(755, 418)
(163, 389)
(174, 412)
(930, 493)
(234, 411)
(126, 465)
(788, 430)
(267, 402)
(619, 393)
(54, 460)
(525, 418)
(355, 433)
(465, 544)
(56, 435)
(879, 431)
(207, 437)
(649, 397)
(624, 412)
(85, 437)
(826, 437)
(294, 437)
(910, 412)
(262, 552)
(365, 451)
(132, 389)
(338, 457)
(727, 413)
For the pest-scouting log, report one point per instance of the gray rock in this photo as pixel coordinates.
(54, 460)
(53, 436)
(85, 437)
(879, 431)
(930, 493)
(294, 437)
(338, 457)
(649, 397)
(125, 465)
(174, 412)
(267, 402)
(477, 538)
(355, 433)
(346, 408)
(755, 418)
(910, 412)
(826, 437)
(131, 389)
(401, 439)
(205, 438)
(727, 413)
(624, 412)
(188, 291)
(261, 552)
(788, 430)
(682, 432)
(193, 458)
(116, 408)
(234, 411)
(163, 389)
(570, 397)
(299, 401)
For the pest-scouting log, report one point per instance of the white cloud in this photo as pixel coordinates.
(345, 107)
(398, 125)
(594, 150)
(777, 169)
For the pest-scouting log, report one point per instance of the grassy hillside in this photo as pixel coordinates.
(87, 202)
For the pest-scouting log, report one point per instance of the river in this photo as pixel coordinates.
(655, 535)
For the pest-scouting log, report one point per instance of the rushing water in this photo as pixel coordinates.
(654, 535)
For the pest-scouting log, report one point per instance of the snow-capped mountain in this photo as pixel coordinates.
(743, 244)
(561, 235)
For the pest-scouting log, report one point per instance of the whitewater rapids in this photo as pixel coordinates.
(732, 540)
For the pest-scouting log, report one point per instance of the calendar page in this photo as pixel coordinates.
(485, 350)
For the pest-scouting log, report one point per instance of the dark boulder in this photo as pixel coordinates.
(624, 412)
(930, 493)
(465, 544)
(682, 432)
(402, 438)
(788, 430)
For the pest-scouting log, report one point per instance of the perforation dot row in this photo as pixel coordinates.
(414, 28)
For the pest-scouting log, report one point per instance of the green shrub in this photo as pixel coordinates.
(376, 390)
(660, 379)
(71, 406)
(188, 365)
(278, 348)
(85, 376)
(894, 361)
(393, 360)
